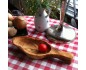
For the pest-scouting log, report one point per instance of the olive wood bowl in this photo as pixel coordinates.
(29, 45)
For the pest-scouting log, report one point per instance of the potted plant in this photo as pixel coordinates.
(42, 15)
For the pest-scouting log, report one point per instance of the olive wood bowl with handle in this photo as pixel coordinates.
(29, 45)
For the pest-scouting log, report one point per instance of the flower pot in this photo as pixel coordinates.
(41, 20)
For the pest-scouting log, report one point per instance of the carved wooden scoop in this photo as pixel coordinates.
(29, 46)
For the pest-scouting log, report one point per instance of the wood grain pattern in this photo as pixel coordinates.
(29, 45)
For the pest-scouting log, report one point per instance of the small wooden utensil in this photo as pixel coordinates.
(29, 45)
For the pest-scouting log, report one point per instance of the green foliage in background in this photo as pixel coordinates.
(31, 6)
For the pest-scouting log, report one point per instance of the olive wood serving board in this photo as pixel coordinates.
(29, 45)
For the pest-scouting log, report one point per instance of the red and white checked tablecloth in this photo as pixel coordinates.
(17, 60)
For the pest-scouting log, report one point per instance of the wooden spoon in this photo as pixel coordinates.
(29, 45)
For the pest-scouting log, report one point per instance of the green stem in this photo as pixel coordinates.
(39, 3)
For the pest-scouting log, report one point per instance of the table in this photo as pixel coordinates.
(17, 60)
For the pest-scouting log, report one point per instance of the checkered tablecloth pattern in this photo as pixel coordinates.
(17, 60)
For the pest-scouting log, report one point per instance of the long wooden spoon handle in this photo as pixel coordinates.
(62, 15)
(62, 55)
(62, 11)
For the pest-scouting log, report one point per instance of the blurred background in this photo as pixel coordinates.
(29, 7)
